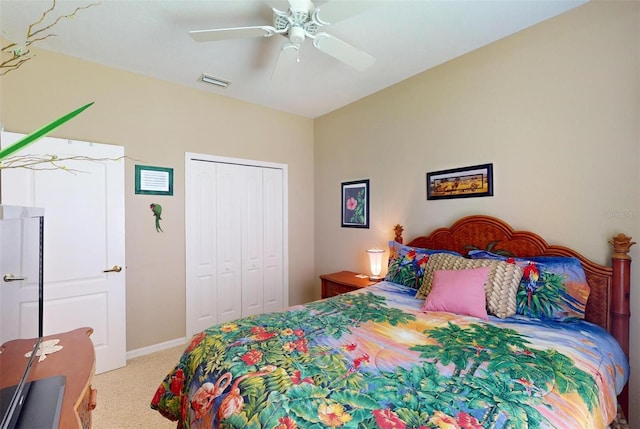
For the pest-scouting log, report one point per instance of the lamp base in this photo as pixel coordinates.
(376, 278)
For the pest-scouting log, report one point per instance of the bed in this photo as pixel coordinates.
(381, 357)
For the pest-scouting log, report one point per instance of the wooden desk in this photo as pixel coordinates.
(76, 361)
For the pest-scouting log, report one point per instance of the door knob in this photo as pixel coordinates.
(115, 269)
(10, 278)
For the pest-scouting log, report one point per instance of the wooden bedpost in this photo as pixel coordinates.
(620, 314)
(398, 232)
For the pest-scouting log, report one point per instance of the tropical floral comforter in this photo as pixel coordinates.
(372, 359)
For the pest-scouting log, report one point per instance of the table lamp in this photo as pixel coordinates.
(375, 262)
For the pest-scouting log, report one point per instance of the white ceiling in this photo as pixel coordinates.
(151, 37)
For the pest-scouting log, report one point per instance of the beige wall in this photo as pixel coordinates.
(556, 110)
(157, 123)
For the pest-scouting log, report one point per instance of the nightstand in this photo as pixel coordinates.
(342, 282)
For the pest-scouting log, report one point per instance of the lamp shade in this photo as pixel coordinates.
(375, 262)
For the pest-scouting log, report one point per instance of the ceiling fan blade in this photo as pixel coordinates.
(285, 63)
(335, 11)
(300, 4)
(232, 33)
(343, 51)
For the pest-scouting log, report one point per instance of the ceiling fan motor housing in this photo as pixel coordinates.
(296, 24)
(296, 35)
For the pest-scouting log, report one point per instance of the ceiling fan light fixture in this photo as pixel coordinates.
(213, 80)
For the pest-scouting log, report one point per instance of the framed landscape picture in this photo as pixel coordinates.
(355, 204)
(473, 181)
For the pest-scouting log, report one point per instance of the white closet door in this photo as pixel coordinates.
(236, 239)
(273, 288)
(229, 202)
(201, 271)
(252, 241)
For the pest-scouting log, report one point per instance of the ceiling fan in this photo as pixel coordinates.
(301, 21)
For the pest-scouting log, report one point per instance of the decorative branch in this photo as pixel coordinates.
(21, 54)
(48, 162)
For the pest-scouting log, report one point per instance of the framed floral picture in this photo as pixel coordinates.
(355, 204)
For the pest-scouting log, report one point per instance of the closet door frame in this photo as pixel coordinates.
(192, 325)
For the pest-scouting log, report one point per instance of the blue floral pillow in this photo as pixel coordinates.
(552, 287)
(407, 264)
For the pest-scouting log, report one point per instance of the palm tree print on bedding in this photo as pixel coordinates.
(322, 365)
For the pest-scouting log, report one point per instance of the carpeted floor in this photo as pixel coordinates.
(124, 394)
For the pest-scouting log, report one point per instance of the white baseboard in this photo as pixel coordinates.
(156, 348)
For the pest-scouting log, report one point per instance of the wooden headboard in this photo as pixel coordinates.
(608, 304)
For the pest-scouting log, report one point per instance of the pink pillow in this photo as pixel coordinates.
(459, 292)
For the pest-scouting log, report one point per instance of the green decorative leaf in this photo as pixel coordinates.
(38, 134)
(304, 391)
(235, 421)
(355, 399)
(359, 419)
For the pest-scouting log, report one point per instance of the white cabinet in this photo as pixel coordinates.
(235, 246)
(20, 268)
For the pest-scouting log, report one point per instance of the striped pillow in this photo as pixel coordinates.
(501, 287)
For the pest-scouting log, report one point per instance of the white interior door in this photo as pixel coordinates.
(84, 239)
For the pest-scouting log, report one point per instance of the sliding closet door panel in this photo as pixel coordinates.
(201, 247)
(273, 240)
(252, 239)
(229, 251)
(205, 274)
